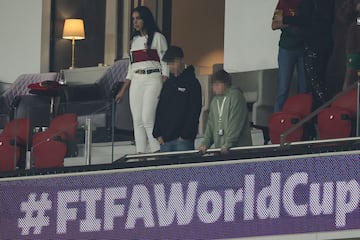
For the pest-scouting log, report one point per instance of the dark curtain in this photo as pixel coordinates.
(337, 62)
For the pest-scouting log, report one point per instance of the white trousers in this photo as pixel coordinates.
(144, 96)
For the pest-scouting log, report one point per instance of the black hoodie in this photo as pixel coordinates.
(179, 107)
(316, 22)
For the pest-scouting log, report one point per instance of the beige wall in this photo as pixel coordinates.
(198, 27)
(21, 38)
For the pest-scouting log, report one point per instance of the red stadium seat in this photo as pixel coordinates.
(65, 125)
(295, 108)
(51, 147)
(48, 150)
(338, 120)
(13, 143)
(347, 101)
(19, 128)
(8, 153)
(301, 104)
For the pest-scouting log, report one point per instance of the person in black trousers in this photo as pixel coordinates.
(179, 107)
(315, 18)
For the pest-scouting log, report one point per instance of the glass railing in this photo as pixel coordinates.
(306, 119)
(4, 119)
(49, 134)
(43, 133)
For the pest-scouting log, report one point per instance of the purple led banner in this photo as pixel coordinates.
(193, 202)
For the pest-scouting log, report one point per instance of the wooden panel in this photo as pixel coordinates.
(120, 29)
(198, 27)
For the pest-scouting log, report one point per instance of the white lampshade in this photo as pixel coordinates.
(74, 29)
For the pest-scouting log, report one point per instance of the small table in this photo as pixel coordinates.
(50, 89)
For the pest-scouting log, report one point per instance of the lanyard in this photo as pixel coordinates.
(220, 109)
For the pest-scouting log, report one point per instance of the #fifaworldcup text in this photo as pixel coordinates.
(162, 205)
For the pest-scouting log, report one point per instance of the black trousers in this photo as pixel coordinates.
(315, 69)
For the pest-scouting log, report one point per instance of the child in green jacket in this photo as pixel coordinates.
(228, 124)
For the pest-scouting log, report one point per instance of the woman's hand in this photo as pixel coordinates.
(119, 96)
(278, 18)
(277, 22)
(276, 25)
(164, 78)
(160, 140)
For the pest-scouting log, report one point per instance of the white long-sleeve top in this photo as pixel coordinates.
(140, 43)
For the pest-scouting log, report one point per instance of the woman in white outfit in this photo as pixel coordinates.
(145, 76)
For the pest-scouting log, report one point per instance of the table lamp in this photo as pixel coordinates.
(73, 30)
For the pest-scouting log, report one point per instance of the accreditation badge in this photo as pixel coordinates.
(221, 132)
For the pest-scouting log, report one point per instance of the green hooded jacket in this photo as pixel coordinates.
(234, 125)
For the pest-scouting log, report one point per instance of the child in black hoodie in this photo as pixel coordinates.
(179, 107)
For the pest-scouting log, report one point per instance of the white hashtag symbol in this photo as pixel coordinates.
(34, 214)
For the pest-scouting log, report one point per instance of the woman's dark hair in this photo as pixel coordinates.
(221, 76)
(149, 24)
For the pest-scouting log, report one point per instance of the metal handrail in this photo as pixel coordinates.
(210, 150)
(358, 106)
(216, 150)
(318, 110)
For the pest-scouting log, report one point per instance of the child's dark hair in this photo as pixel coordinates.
(172, 53)
(221, 76)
